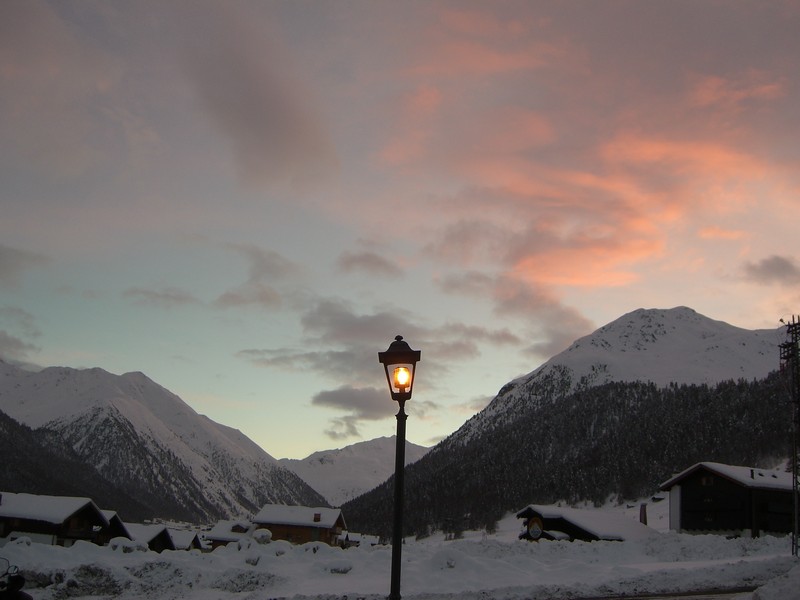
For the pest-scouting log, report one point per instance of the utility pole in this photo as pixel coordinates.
(790, 365)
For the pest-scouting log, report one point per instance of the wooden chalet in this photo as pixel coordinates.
(56, 520)
(712, 497)
(557, 523)
(301, 524)
(156, 536)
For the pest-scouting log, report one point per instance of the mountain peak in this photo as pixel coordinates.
(662, 346)
(668, 345)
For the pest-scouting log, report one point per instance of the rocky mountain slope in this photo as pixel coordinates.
(341, 475)
(138, 435)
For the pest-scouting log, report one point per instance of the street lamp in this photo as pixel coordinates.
(399, 362)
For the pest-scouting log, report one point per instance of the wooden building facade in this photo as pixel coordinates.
(712, 497)
(57, 520)
(301, 524)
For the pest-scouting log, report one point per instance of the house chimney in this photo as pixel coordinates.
(643, 513)
(752, 474)
(317, 517)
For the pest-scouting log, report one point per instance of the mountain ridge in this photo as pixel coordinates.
(128, 424)
(651, 345)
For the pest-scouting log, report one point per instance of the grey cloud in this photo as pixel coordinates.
(20, 319)
(168, 297)
(265, 268)
(245, 83)
(774, 269)
(348, 341)
(250, 294)
(348, 345)
(335, 321)
(355, 363)
(366, 403)
(13, 348)
(265, 264)
(369, 262)
(552, 325)
(361, 404)
(14, 262)
(16, 347)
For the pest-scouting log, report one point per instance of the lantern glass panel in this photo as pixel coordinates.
(401, 377)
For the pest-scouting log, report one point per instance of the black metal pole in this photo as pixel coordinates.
(397, 531)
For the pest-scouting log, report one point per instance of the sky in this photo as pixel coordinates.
(247, 201)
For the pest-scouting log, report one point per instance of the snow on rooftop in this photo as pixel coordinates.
(223, 531)
(604, 524)
(279, 514)
(50, 509)
(746, 476)
(141, 532)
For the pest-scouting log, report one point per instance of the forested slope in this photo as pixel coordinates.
(615, 441)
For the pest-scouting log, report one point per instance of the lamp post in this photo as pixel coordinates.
(399, 362)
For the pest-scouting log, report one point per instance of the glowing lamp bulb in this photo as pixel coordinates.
(402, 377)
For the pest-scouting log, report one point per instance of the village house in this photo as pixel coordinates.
(156, 536)
(57, 520)
(557, 523)
(732, 500)
(116, 528)
(185, 539)
(301, 524)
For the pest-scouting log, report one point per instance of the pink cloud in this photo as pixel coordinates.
(731, 93)
(718, 233)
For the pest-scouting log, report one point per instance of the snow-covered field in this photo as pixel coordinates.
(479, 566)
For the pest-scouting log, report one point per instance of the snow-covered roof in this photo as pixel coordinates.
(359, 538)
(604, 524)
(223, 531)
(50, 509)
(751, 477)
(183, 538)
(141, 532)
(279, 514)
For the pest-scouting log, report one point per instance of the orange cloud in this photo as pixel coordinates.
(718, 233)
(731, 93)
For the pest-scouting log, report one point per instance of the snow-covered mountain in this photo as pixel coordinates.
(341, 475)
(615, 414)
(136, 432)
(662, 346)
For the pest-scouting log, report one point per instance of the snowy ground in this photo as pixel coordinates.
(476, 567)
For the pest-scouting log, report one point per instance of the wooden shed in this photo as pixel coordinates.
(711, 497)
(564, 523)
(301, 524)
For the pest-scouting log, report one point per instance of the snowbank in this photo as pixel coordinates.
(478, 566)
